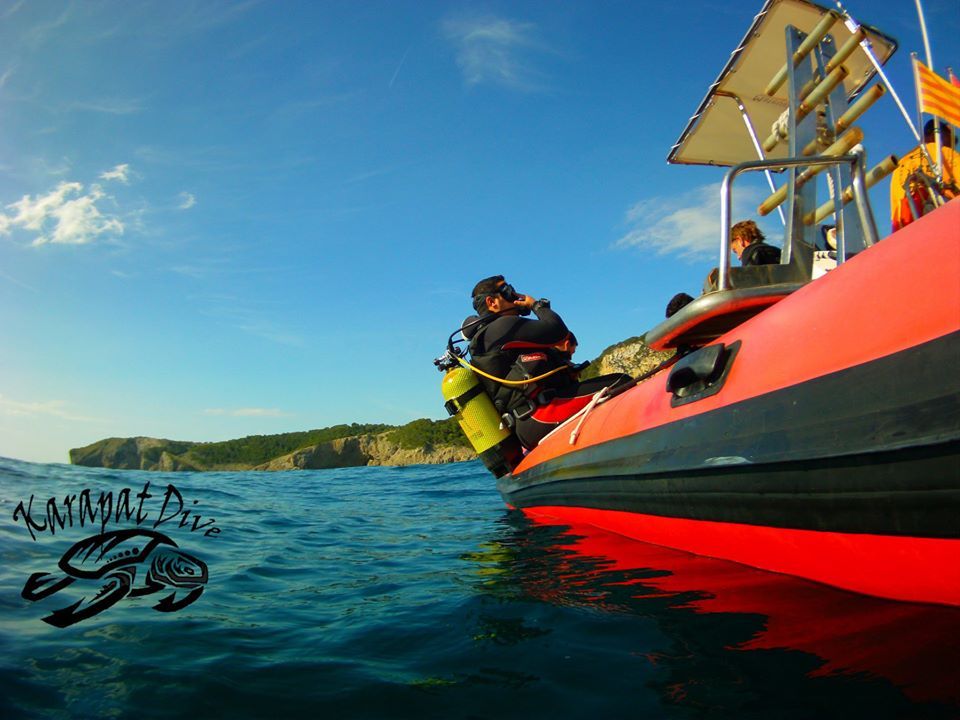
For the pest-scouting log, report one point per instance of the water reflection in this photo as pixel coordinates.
(738, 636)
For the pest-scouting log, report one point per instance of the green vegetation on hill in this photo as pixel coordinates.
(173, 447)
(429, 434)
(260, 449)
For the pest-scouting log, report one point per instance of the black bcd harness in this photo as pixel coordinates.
(516, 361)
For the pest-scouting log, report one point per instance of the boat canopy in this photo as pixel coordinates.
(717, 133)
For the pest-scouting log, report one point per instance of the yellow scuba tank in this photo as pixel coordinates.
(498, 448)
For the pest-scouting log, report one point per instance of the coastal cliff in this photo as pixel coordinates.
(143, 453)
(632, 356)
(367, 450)
(419, 442)
(136, 453)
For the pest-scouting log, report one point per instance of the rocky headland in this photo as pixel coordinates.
(144, 453)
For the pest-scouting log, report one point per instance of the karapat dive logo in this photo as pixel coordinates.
(100, 570)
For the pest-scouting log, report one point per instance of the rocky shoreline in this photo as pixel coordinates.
(366, 450)
(143, 453)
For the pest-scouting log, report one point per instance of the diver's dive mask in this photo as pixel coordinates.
(507, 292)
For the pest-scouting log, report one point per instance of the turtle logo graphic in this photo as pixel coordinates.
(121, 563)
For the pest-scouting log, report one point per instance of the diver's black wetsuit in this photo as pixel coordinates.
(515, 348)
(546, 331)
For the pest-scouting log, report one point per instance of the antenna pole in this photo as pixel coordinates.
(926, 38)
(853, 26)
(936, 120)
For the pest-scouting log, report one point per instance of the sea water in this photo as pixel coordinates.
(413, 592)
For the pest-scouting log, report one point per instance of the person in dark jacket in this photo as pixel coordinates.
(677, 303)
(747, 241)
(505, 344)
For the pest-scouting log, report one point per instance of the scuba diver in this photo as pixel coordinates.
(543, 388)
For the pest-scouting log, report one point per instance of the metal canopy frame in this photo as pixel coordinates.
(820, 72)
(716, 134)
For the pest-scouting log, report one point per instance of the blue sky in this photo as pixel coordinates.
(229, 218)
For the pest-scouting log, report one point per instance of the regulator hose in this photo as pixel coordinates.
(510, 383)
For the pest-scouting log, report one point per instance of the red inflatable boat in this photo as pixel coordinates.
(811, 424)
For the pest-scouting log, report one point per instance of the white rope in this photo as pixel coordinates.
(598, 398)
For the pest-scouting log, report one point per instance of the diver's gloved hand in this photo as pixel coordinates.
(525, 303)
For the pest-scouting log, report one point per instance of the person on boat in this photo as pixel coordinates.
(748, 242)
(568, 346)
(677, 303)
(507, 345)
(913, 185)
(749, 245)
(828, 238)
(824, 252)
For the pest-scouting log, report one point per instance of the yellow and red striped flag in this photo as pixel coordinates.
(936, 95)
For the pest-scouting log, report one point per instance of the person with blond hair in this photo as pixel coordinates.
(749, 244)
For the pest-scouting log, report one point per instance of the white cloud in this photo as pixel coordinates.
(687, 225)
(31, 214)
(246, 412)
(191, 271)
(187, 201)
(120, 173)
(109, 106)
(4, 14)
(65, 215)
(7, 74)
(10, 278)
(396, 72)
(50, 408)
(47, 30)
(268, 331)
(242, 314)
(491, 50)
(196, 17)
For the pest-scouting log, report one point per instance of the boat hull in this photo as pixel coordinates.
(903, 568)
(837, 460)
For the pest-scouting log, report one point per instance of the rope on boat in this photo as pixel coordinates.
(597, 398)
(609, 392)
